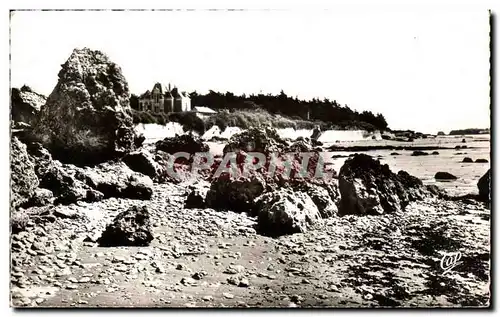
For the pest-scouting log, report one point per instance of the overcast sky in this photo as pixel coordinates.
(425, 71)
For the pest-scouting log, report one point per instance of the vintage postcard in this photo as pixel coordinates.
(250, 158)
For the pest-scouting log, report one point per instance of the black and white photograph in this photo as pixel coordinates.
(250, 158)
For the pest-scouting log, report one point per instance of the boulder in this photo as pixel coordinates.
(143, 162)
(116, 179)
(467, 160)
(131, 227)
(419, 153)
(86, 117)
(484, 186)
(368, 187)
(197, 195)
(325, 197)
(182, 143)
(262, 140)
(481, 161)
(66, 188)
(286, 212)
(414, 187)
(23, 180)
(41, 157)
(25, 104)
(238, 195)
(41, 197)
(444, 176)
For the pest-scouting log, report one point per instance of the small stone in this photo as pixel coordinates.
(296, 298)
(244, 283)
(84, 280)
(121, 268)
(188, 281)
(141, 256)
(233, 280)
(228, 295)
(198, 275)
(368, 296)
(118, 259)
(207, 298)
(235, 269)
(71, 286)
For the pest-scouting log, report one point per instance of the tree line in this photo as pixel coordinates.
(327, 111)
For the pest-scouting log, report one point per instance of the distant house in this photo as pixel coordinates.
(162, 99)
(203, 112)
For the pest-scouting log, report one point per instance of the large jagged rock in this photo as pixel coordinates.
(67, 190)
(41, 197)
(484, 186)
(236, 194)
(414, 187)
(25, 104)
(182, 143)
(115, 179)
(23, 180)
(143, 162)
(325, 196)
(262, 140)
(85, 119)
(131, 227)
(286, 212)
(367, 187)
(41, 157)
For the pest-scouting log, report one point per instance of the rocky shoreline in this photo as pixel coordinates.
(98, 220)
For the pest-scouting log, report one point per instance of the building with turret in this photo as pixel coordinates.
(163, 99)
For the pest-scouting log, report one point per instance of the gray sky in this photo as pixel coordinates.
(424, 70)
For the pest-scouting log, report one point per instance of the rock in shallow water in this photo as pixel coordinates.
(131, 227)
(368, 187)
(444, 176)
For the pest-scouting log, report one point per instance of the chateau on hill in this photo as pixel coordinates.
(164, 99)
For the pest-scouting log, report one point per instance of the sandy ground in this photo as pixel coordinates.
(206, 258)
